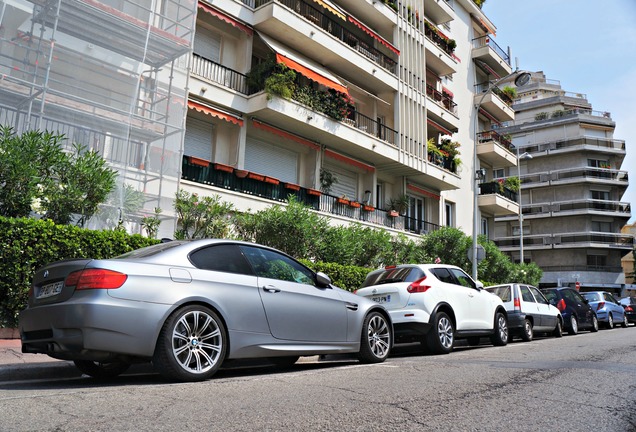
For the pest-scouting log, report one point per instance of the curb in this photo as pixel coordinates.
(9, 333)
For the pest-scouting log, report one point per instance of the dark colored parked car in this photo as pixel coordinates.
(576, 312)
(629, 303)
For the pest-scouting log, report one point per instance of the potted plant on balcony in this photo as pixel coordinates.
(343, 200)
(399, 204)
(327, 180)
(513, 183)
(434, 153)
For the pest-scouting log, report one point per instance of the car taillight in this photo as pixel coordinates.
(95, 279)
(629, 309)
(600, 306)
(561, 305)
(517, 304)
(418, 286)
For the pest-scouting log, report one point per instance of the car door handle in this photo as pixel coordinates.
(271, 289)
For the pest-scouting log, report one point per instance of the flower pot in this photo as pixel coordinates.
(292, 186)
(314, 192)
(272, 180)
(241, 173)
(223, 167)
(393, 213)
(343, 201)
(355, 204)
(368, 208)
(255, 176)
(198, 161)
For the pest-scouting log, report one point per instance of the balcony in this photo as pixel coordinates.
(443, 110)
(438, 11)
(486, 50)
(268, 188)
(497, 200)
(495, 150)
(355, 58)
(592, 206)
(495, 102)
(590, 175)
(219, 74)
(577, 144)
(593, 240)
(440, 56)
(530, 242)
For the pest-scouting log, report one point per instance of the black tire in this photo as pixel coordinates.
(594, 328)
(284, 362)
(574, 325)
(610, 321)
(441, 337)
(558, 330)
(625, 323)
(528, 333)
(500, 336)
(376, 339)
(191, 345)
(101, 370)
(473, 341)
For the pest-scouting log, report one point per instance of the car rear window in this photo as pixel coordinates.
(592, 296)
(502, 291)
(150, 250)
(392, 275)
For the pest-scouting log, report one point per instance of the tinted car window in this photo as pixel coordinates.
(539, 297)
(526, 295)
(443, 275)
(610, 298)
(390, 275)
(270, 264)
(572, 295)
(551, 295)
(463, 278)
(224, 258)
(592, 296)
(502, 291)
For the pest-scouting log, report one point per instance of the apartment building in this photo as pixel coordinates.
(571, 189)
(253, 100)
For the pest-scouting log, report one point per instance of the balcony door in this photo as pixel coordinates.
(415, 214)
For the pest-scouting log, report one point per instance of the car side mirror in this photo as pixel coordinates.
(586, 301)
(479, 285)
(323, 280)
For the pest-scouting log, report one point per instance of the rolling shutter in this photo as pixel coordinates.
(267, 159)
(347, 184)
(198, 138)
(207, 44)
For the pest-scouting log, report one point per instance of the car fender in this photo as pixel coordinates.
(445, 307)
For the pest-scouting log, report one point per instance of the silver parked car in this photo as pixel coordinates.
(186, 306)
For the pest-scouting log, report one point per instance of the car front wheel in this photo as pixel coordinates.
(375, 342)
(191, 344)
(527, 331)
(610, 321)
(101, 370)
(574, 325)
(594, 324)
(500, 337)
(441, 337)
(558, 330)
(624, 324)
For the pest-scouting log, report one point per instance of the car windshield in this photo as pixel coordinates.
(551, 295)
(392, 275)
(592, 296)
(150, 250)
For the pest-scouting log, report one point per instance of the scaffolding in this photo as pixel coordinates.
(108, 74)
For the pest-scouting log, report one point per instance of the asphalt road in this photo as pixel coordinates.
(576, 383)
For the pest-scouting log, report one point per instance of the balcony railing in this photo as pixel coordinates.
(491, 135)
(576, 239)
(441, 98)
(599, 143)
(496, 188)
(432, 33)
(370, 126)
(591, 173)
(487, 41)
(592, 204)
(280, 191)
(334, 28)
(210, 70)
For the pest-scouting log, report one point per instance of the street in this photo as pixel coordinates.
(576, 383)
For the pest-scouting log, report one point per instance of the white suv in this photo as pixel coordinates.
(436, 304)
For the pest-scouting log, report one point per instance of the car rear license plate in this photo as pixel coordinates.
(382, 299)
(50, 290)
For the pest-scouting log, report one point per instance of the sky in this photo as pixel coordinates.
(587, 45)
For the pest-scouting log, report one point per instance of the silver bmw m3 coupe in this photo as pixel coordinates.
(186, 306)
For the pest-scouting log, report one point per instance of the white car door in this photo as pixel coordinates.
(480, 314)
(459, 297)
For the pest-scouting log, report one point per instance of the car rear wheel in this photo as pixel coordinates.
(528, 332)
(558, 330)
(191, 344)
(610, 321)
(624, 324)
(441, 337)
(375, 342)
(101, 370)
(500, 337)
(574, 325)
(594, 324)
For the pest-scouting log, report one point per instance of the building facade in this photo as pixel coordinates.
(571, 189)
(257, 100)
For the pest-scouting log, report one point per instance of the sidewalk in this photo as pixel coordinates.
(11, 353)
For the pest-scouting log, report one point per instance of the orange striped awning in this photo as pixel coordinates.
(421, 191)
(488, 116)
(311, 74)
(332, 8)
(374, 35)
(205, 109)
(439, 127)
(284, 134)
(224, 17)
(333, 155)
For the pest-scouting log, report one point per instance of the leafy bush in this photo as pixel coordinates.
(349, 278)
(202, 217)
(28, 244)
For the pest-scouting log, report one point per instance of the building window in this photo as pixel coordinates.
(598, 261)
(600, 195)
(379, 195)
(598, 226)
(598, 163)
(498, 173)
(450, 214)
(484, 227)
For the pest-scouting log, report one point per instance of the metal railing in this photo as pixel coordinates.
(275, 190)
(487, 41)
(335, 29)
(496, 188)
(441, 99)
(592, 204)
(491, 135)
(370, 126)
(215, 72)
(432, 33)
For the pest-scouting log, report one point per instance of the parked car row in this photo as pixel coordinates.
(187, 306)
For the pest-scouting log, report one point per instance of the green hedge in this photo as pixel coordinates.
(28, 244)
(345, 277)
